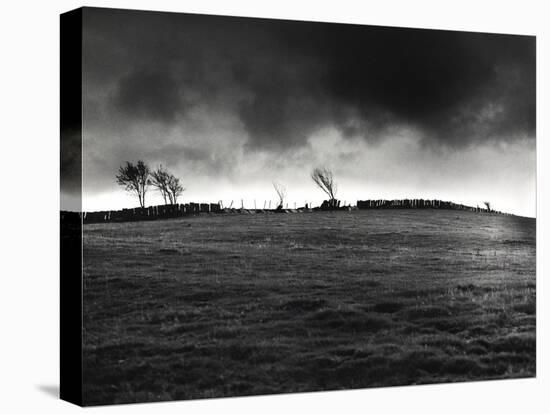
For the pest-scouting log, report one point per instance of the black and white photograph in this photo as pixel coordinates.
(275, 206)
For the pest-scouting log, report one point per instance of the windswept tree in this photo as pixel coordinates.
(325, 181)
(174, 188)
(281, 193)
(135, 178)
(159, 180)
(168, 185)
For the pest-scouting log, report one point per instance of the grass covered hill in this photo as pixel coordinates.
(225, 305)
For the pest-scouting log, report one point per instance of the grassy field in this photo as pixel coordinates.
(236, 304)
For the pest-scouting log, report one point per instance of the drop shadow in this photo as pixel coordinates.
(49, 389)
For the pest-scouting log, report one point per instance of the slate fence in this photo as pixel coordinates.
(150, 213)
(189, 209)
(418, 203)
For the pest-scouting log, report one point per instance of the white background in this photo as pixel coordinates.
(29, 154)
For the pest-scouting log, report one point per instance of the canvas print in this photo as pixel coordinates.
(269, 206)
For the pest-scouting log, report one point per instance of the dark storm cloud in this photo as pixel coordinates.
(149, 93)
(284, 80)
(71, 160)
(456, 87)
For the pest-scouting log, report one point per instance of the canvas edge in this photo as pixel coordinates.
(70, 387)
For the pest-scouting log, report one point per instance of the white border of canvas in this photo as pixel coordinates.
(29, 268)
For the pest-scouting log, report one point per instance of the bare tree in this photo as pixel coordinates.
(168, 184)
(324, 180)
(281, 193)
(174, 188)
(159, 179)
(135, 179)
(488, 205)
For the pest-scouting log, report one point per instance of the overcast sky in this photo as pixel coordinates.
(231, 104)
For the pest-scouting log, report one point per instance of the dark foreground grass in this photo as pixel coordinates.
(228, 305)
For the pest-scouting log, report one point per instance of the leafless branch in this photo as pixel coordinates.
(135, 178)
(325, 181)
(281, 192)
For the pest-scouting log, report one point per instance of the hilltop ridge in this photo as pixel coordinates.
(181, 210)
